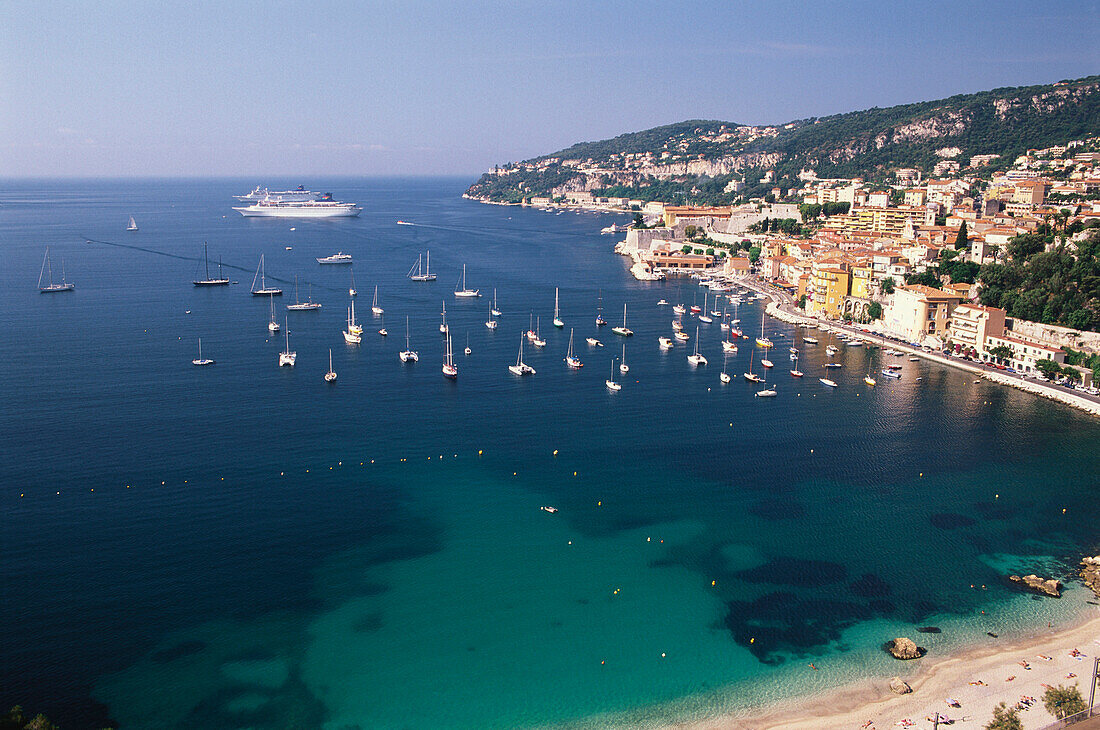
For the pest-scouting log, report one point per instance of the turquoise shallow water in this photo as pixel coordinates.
(427, 588)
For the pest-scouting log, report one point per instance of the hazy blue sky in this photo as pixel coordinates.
(312, 87)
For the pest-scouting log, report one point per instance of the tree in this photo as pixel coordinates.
(1063, 701)
(1001, 353)
(874, 311)
(962, 242)
(802, 302)
(690, 231)
(1048, 368)
(639, 221)
(1004, 719)
(754, 254)
(888, 285)
(686, 248)
(1071, 373)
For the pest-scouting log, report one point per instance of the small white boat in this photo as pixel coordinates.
(600, 321)
(200, 360)
(383, 332)
(377, 310)
(681, 336)
(521, 368)
(728, 346)
(869, 380)
(330, 376)
(557, 319)
(353, 335)
(696, 358)
(623, 367)
(766, 393)
(495, 311)
(826, 381)
(286, 357)
(462, 291)
(767, 363)
(677, 325)
(443, 329)
(810, 340)
(351, 289)
(890, 373)
(679, 309)
(537, 340)
(468, 351)
(491, 323)
(832, 365)
(662, 302)
(272, 326)
(664, 343)
(132, 225)
(408, 354)
(702, 316)
(570, 359)
(832, 350)
(724, 376)
(549, 509)
(593, 342)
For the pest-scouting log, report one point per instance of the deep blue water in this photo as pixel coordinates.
(247, 546)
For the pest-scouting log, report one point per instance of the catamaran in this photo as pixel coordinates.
(462, 291)
(377, 310)
(219, 281)
(330, 376)
(557, 319)
(286, 357)
(47, 269)
(200, 360)
(422, 274)
(570, 359)
(491, 323)
(623, 330)
(264, 290)
(132, 225)
(353, 335)
(696, 358)
(521, 368)
(273, 325)
(449, 369)
(408, 354)
(299, 305)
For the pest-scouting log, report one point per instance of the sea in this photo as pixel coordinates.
(248, 546)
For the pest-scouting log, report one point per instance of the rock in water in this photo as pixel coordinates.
(929, 629)
(1090, 574)
(898, 687)
(1050, 587)
(904, 648)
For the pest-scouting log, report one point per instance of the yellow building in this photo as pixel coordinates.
(888, 221)
(829, 285)
(862, 278)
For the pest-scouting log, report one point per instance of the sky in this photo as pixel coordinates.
(313, 87)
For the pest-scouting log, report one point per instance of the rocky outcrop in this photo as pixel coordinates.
(905, 648)
(1090, 574)
(1049, 587)
(899, 687)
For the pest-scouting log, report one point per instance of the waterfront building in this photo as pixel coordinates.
(971, 325)
(1025, 352)
(829, 285)
(920, 313)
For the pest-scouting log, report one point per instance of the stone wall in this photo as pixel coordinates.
(1050, 334)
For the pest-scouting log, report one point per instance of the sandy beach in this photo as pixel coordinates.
(978, 679)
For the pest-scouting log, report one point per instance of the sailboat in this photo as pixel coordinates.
(762, 341)
(538, 341)
(351, 289)
(273, 325)
(557, 319)
(728, 345)
(330, 376)
(695, 308)
(570, 359)
(264, 290)
(868, 379)
(47, 269)
(299, 305)
(132, 225)
(408, 354)
(286, 357)
(600, 321)
(795, 372)
(467, 351)
(750, 375)
(765, 362)
(623, 367)
(766, 392)
(623, 330)
(610, 382)
(353, 335)
(449, 369)
(521, 368)
(495, 311)
(725, 324)
(491, 323)
(377, 310)
(462, 291)
(219, 281)
(531, 334)
(696, 358)
(200, 360)
(724, 376)
(704, 317)
(826, 381)
(382, 331)
(424, 274)
(443, 328)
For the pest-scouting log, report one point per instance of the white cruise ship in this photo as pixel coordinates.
(326, 207)
(279, 196)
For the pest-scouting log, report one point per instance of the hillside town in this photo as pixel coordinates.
(875, 259)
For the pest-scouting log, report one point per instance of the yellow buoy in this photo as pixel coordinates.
(479, 452)
(714, 582)
(555, 452)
